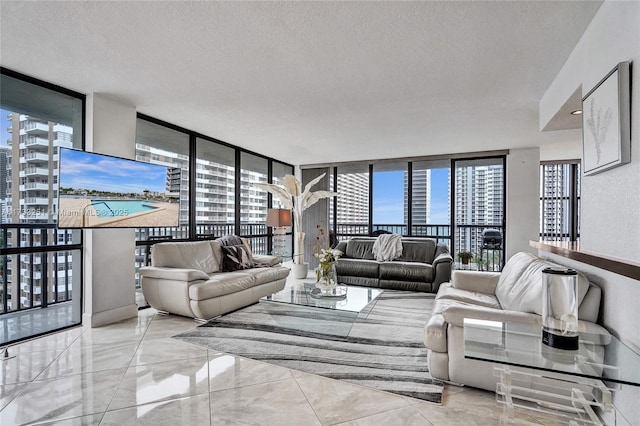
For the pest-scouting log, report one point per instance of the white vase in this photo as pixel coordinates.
(300, 270)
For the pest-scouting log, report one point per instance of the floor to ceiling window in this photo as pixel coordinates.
(352, 210)
(158, 144)
(40, 265)
(254, 201)
(479, 210)
(278, 172)
(215, 189)
(431, 199)
(560, 201)
(390, 198)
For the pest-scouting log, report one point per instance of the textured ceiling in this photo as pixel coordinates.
(312, 82)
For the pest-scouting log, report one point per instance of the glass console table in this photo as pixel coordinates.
(575, 386)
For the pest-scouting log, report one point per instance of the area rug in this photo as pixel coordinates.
(381, 349)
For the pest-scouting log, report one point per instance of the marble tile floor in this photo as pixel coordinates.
(133, 373)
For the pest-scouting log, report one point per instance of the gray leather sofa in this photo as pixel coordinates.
(422, 266)
(186, 279)
(514, 295)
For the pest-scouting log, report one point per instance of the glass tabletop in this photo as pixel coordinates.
(303, 293)
(599, 356)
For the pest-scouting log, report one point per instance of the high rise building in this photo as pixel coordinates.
(559, 192)
(215, 188)
(420, 195)
(5, 154)
(353, 203)
(30, 197)
(479, 198)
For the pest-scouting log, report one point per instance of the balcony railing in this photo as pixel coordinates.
(35, 265)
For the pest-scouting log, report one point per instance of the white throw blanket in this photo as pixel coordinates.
(387, 247)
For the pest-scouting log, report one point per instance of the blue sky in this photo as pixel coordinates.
(85, 170)
(388, 197)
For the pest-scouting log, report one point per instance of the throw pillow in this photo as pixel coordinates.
(235, 258)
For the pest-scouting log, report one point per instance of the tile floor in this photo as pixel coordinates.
(133, 373)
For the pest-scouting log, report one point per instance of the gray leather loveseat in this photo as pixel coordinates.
(422, 266)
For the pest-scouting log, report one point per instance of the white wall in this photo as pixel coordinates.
(569, 150)
(610, 218)
(610, 214)
(523, 195)
(109, 256)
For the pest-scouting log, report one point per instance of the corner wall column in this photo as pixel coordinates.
(109, 254)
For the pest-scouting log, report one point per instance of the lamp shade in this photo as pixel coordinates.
(278, 217)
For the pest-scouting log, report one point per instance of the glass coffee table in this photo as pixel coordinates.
(298, 306)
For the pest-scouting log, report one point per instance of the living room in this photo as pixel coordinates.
(316, 86)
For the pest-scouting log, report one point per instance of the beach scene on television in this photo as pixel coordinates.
(101, 191)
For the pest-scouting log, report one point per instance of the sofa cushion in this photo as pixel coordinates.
(510, 274)
(267, 275)
(406, 271)
(266, 260)
(358, 268)
(446, 291)
(186, 255)
(422, 250)
(360, 248)
(221, 284)
(236, 258)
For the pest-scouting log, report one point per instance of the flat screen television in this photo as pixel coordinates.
(101, 191)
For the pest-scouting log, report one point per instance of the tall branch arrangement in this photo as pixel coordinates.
(292, 198)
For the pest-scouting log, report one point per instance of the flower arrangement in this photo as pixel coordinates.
(327, 257)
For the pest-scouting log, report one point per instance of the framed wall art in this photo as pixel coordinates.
(606, 122)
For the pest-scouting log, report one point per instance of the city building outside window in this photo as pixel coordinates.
(560, 201)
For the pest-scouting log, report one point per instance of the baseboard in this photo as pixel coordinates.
(99, 319)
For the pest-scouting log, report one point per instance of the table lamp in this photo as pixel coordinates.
(279, 219)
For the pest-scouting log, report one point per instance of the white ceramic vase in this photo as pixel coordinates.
(300, 270)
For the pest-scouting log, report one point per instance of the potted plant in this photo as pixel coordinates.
(292, 197)
(465, 257)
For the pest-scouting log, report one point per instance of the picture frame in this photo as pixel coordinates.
(606, 122)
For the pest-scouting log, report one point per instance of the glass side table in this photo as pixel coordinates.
(575, 386)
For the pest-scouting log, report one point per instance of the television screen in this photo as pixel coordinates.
(100, 191)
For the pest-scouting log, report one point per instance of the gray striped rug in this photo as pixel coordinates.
(381, 349)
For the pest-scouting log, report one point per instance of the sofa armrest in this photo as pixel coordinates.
(443, 258)
(455, 315)
(176, 274)
(441, 270)
(264, 259)
(482, 282)
(342, 246)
